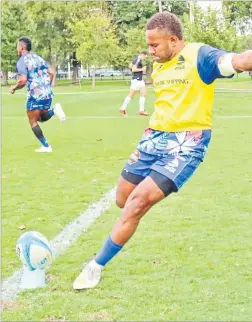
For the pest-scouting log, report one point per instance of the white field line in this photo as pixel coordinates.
(223, 90)
(10, 286)
(122, 118)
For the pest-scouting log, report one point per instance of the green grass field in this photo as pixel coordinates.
(191, 258)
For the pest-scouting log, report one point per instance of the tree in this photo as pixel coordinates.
(120, 58)
(94, 39)
(135, 14)
(179, 8)
(79, 11)
(135, 38)
(16, 22)
(246, 42)
(211, 27)
(50, 21)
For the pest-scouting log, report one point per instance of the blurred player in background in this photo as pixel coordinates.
(34, 72)
(137, 84)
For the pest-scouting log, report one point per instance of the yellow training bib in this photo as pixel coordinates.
(184, 102)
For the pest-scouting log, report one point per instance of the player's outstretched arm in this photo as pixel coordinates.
(243, 62)
(22, 79)
(231, 63)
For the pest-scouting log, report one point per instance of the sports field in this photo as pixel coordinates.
(191, 258)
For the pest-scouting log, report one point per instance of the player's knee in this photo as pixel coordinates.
(33, 122)
(120, 202)
(139, 204)
(33, 119)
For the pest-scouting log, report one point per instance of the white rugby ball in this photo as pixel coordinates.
(34, 250)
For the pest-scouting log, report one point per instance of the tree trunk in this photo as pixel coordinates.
(5, 77)
(74, 76)
(93, 78)
(75, 64)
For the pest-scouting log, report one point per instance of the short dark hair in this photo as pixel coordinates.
(144, 52)
(168, 21)
(27, 42)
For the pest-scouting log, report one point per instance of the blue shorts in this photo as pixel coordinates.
(33, 104)
(175, 155)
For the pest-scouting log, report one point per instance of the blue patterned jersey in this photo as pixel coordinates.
(38, 79)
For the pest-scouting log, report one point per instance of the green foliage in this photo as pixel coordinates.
(59, 28)
(130, 18)
(212, 28)
(240, 14)
(130, 14)
(135, 14)
(247, 42)
(16, 22)
(79, 11)
(135, 38)
(94, 39)
(46, 22)
(49, 18)
(179, 8)
(120, 58)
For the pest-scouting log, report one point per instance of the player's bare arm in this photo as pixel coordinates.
(22, 79)
(243, 61)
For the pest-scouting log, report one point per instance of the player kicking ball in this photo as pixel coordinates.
(34, 72)
(137, 84)
(179, 132)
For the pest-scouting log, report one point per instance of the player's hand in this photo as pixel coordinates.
(144, 69)
(12, 89)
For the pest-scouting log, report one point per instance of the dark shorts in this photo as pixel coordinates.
(171, 155)
(33, 104)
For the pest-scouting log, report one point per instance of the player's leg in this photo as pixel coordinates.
(44, 106)
(167, 175)
(142, 198)
(151, 190)
(136, 169)
(139, 202)
(46, 115)
(127, 183)
(134, 172)
(128, 98)
(58, 111)
(34, 108)
(34, 117)
(142, 99)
